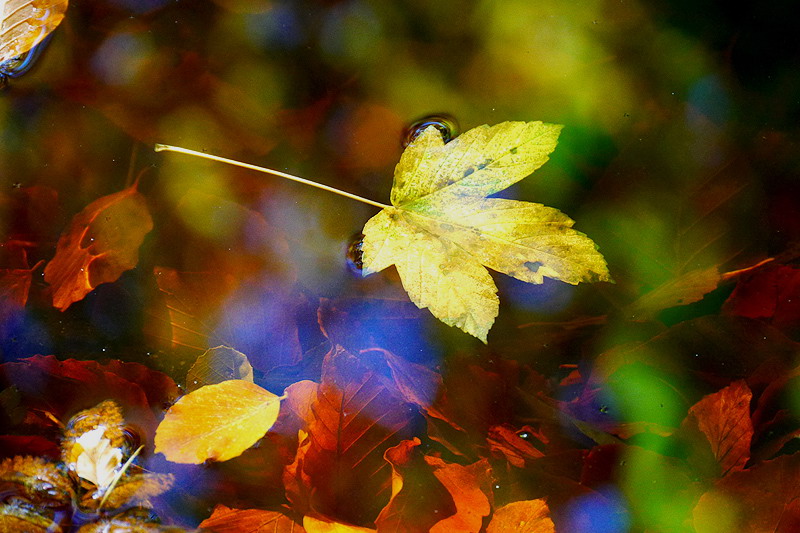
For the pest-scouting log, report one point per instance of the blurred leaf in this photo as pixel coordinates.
(765, 497)
(227, 520)
(37, 480)
(530, 516)
(418, 500)
(25, 23)
(353, 420)
(771, 293)
(216, 422)
(216, 365)
(442, 229)
(724, 418)
(137, 489)
(206, 309)
(507, 442)
(101, 243)
(685, 289)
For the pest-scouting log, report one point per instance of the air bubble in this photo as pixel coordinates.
(446, 124)
(355, 253)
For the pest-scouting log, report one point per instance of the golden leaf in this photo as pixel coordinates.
(442, 230)
(25, 23)
(216, 422)
(527, 516)
(324, 525)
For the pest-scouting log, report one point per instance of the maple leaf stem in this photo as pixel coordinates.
(168, 148)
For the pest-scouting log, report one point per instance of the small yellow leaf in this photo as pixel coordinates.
(442, 230)
(216, 422)
(527, 516)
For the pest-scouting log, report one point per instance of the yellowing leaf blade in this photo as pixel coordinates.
(443, 230)
(479, 162)
(216, 422)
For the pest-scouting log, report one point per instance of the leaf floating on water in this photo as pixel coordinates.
(324, 525)
(92, 445)
(442, 230)
(25, 23)
(217, 365)
(216, 422)
(101, 243)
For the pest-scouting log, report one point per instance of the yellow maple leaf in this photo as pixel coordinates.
(216, 422)
(441, 229)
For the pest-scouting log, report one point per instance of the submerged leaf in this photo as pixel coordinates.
(217, 365)
(101, 243)
(323, 525)
(442, 229)
(216, 422)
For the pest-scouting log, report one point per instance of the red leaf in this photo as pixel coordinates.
(227, 520)
(724, 418)
(354, 419)
(63, 388)
(507, 442)
(763, 498)
(419, 500)
(771, 293)
(101, 243)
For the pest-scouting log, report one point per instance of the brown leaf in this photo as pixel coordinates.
(419, 500)
(724, 418)
(529, 516)
(354, 419)
(101, 243)
(771, 293)
(763, 498)
(468, 486)
(227, 520)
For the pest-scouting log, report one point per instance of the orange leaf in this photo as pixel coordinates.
(216, 422)
(101, 243)
(527, 516)
(504, 440)
(226, 520)
(467, 485)
(419, 500)
(354, 419)
(323, 525)
(724, 418)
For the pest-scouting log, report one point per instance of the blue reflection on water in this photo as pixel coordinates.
(597, 513)
(279, 27)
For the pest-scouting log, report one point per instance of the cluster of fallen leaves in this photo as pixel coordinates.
(335, 423)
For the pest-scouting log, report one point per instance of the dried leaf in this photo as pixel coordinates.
(441, 229)
(323, 525)
(92, 444)
(509, 443)
(354, 419)
(216, 422)
(771, 293)
(724, 418)
(468, 486)
(137, 489)
(24, 23)
(527, 516)
(216, 365)
(37, 480)
(101, 243)
(762, 498)
(419, 500)
(227, 520)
